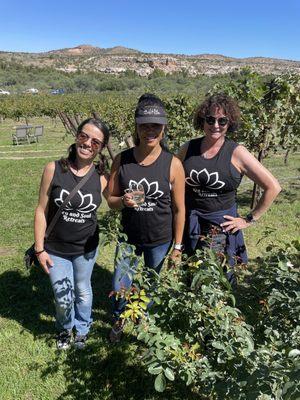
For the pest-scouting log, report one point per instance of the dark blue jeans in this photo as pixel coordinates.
(126, 263)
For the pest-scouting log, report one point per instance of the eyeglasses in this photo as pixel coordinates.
(95, 143)
(222, 121)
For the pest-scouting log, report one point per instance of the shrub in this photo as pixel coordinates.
(194, 332)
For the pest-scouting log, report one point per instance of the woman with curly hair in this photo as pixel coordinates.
(214, 166)
(68, 254)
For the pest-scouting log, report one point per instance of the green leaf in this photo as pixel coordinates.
(294, 353)
(189, 379)
(218, 345)
(288, 386)
(160, 383)
(141, 335)
(250, 344)
(160, 354)
(231, 296)
(169, 374)
(155, 369)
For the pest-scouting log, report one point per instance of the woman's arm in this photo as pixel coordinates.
(247, 164)
(115, 199)
(104, 185)
(40, 222)
(177, 179)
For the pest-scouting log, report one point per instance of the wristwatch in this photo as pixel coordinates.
(178, 246)
(250, 219)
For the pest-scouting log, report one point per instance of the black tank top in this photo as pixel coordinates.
(76, 231)
(210, 183)
(150, 224)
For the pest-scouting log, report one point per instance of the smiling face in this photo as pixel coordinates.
(215, 129)
(89, 142)
(150, 134)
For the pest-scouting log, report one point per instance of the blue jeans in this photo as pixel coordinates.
(71, 282)
(125, 267)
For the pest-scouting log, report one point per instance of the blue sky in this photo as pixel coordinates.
(232, 28)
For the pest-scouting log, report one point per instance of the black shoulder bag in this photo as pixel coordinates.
(30, 257)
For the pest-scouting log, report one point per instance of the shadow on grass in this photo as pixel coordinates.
(106, 372)
(101, 370)
(288, 195)
(102, 285)
(28, 298)
(244, 198)
(25, 298)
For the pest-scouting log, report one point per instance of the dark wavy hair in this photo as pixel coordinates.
(219, 100)
(149, 99)
(102, 165)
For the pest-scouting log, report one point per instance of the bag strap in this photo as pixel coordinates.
(67, 199)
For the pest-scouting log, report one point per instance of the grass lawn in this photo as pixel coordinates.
(31, 368)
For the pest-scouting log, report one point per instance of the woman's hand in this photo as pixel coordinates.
(174, 258)
(128, 201)
(45, 261)
(234, 224)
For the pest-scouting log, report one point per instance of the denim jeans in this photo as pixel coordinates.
(71, 282)
(125, 267)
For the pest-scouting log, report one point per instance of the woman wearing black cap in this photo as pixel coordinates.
(214, 166)
(158, 221)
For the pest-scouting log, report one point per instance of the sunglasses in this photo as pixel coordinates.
(95, 143)
(222, 121)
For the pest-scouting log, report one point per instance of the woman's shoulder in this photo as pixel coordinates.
(50, 167)
(104, 179)
(48, 173)
(58, 167)
(188, 146)
(175, 161)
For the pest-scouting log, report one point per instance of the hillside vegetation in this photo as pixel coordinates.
(90, 68)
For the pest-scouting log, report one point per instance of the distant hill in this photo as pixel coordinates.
(116, 60)
(87, 49)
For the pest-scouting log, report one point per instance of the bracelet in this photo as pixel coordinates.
(250, 218)
(178, 246)
(37, 253)
(122, 199)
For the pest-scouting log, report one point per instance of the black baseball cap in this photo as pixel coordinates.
(150, 110)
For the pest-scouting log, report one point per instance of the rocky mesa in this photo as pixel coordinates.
(119, 59)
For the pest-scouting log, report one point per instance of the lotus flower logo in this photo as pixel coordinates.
(203, 177)
(86, 205)
(151, 189)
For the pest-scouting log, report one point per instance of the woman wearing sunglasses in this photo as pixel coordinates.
(214, 166)
(154, 223)
(68, 254)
